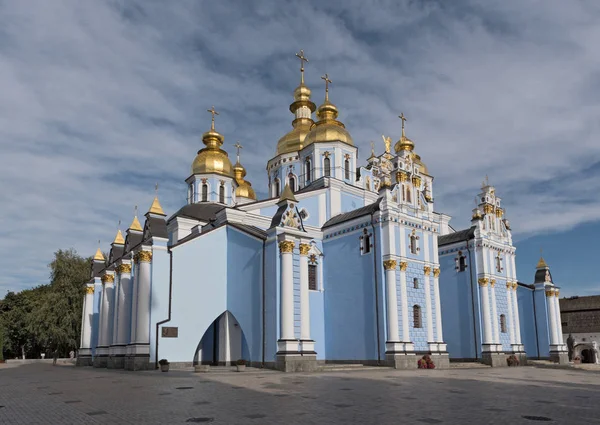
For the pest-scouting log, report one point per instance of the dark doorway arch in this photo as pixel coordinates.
(588, 356)
(223, 342)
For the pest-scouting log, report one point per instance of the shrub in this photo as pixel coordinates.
(425, 362)
(163, 362)
(241, 362)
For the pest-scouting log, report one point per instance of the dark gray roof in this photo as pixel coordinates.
(540, 275)
(155, 227)
(278, 214)
(253, 230)
(340, 218)
(204, 211)
(132, 240)
(459, 236)
(115, 252)
(97, 267)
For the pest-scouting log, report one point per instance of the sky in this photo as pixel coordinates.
(102, 100)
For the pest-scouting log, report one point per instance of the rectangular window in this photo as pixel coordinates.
(312, 277)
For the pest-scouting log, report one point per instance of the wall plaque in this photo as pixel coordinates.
(170, 332)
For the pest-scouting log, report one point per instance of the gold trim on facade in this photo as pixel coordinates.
(403, 266)
(436, 272)
(304, 248)
(390, 264)
(108, 278)
(550, 293)
(427, 270)
(401, 176)
(499, 212)
(492, 282)
(483, 281)
(286, 247)
(487, 209)
(144, 256)
(89, 289)
(556, 292)
(416, 181)
(124, 268)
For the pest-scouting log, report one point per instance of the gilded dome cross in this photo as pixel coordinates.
(238, 146)
(302, 60)
(403, 118)
(327, 82)
(213, 112)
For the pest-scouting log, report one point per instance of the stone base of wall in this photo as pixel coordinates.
(522, 358)
(494, 359)
(296, 363)
(441, 360)
(138, 363)
(559, 357)
(402, 361)
(84, 361)
(100, 361)
(116, 362)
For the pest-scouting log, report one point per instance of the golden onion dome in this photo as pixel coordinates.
(328, 128)
(244, 188)
(212, 159)
(294, 140)
(422, 166)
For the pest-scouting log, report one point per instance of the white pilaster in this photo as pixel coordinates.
(86, 321)
(485, 312)
(306, 344)
(287, 342)
(392, 343)
(495, 318)
(409, 346)
(428, 311)
(516, 314)
(133, 300)
(114, 315)
(510, 320)
(124, 297)
(109, 289)
(552, 316)
(558, 320)
(438, 304)
(142, 333)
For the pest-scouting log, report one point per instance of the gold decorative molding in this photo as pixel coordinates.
(483, 281)
(304, 248)
(499, 212)
(492, 282)
(436, 272)
(556, 292)
(509, 285)
(427, 270)
(487, 209)
(550, 293)
(286, 247)
(124, 268)
(144, 256)
(108, 278)
(403, 266)
(416, 181)
(401, 176)
(89, 289)
(390, 264)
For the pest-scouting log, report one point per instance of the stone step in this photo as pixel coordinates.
(342, 367)
(468, 365)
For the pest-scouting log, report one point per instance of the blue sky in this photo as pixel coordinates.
(101, 100)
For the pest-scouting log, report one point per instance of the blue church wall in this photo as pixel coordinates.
(311, 204)
(272, 270)
(159, 294)
(208, 343)
(268, 211)
(317, 322)
(527, 321)
(502, 308)
(459, 299)
(214, 182)
(416, 296)
(350, 323)
(244, 288)
(199, 293)
(96, 316)
(351, 202)
(296, 277)
(543, 330)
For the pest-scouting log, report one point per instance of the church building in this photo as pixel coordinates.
(344, 262)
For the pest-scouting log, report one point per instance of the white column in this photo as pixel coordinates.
(307, 343)
(558, 321)
(124, 296)
(115, 304)
(495, 324)
(391, 302)
(510, 320)
(86, 320)
(133, 300)
(109, 289)
(552, 316)
(516, 314)
(438, 305)
(101, 318)
(142, 333)
(485, 311)
(288, 342)
(428, 312)
(404, 304)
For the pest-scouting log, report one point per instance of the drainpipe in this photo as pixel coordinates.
(473, 301)
(264, 307)
(376, 290)
(168, 319)
(537, 339)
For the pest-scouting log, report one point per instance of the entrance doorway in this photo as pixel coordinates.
(588, 356)
(223, 343)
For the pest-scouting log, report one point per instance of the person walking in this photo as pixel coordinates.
(55, 357)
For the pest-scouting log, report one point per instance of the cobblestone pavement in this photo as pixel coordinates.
(43, 394)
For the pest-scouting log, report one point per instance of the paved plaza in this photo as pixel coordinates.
(43, 394)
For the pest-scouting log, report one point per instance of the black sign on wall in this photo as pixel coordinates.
(170, 332)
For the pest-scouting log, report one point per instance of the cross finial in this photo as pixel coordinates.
(327, 82)
(135, 211)
(403, 118)
(372, 148)
(119, 225)
(238, 146)
(156, 189)
(213, 112)
(302, 60)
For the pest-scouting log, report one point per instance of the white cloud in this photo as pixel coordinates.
(102, 99)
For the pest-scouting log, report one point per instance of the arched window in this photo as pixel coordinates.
(327, 167)
(347, 169)
(413, 244)
(204, 192)
(462, 263)
(416, 283)
(308, 170)
(499, 263)
(292, 183)
(312, 277)
(502, 323)
(365, 242)
(408, 194)
(403, 194)
(222, 194)
(417, 316)
(276, 184)
(191, 193)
